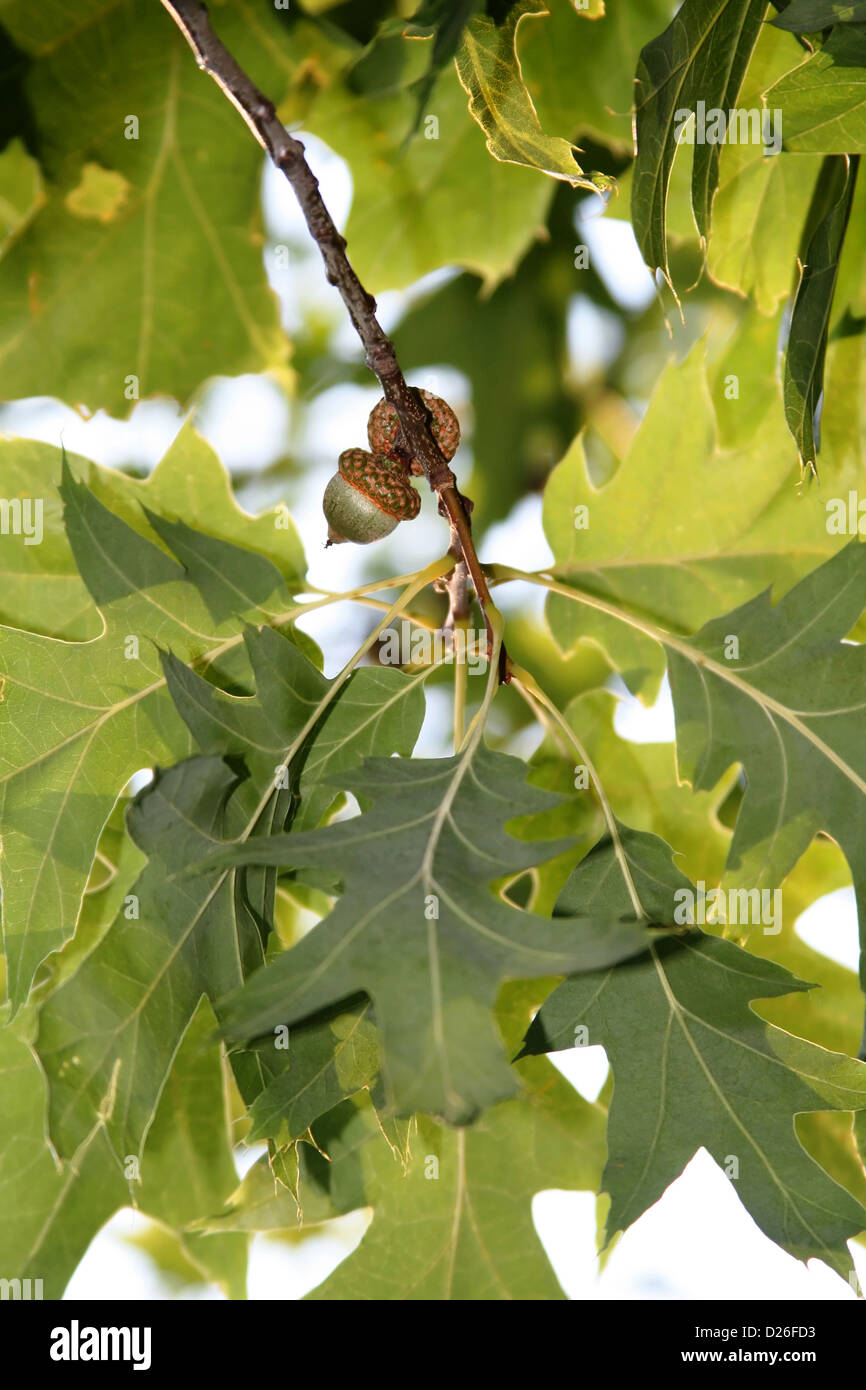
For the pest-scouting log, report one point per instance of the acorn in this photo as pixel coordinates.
(384, 434)
(367, 498)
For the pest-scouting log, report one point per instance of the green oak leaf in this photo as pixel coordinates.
(842, 436)
(204, 936)
(466, 1194)
(762, 201)
(751, 359)
(642, 791)
(489, 70)
(694, 1066)
(849, 298)
(80, 718)
(831, 1014)
(832, 1138)
(471, 1213)
(632, 543)
(444, 22)
(42, 590)
(48, 1215)
(803, 382)
(116, 866)
(328, 1059)
(108, 1034)
(790, 706)
(331, 1174)
(580, 75)
(187, 1170)
(417, 928)
(808, 16)
(779, 689)
(379, 708)
(155, 217)
(50, 1212)
(415, 211)
(626, 866)
(385, 63)
(21, 191)
(260, 1204)
(702, 55)
(823, 100)
(859, 1134)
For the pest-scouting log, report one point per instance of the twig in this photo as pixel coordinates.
(287, 153)
(455, 586)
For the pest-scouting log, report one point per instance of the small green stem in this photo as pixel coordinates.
(460, 681)
(529, 687)
(419, 581)
(473, 733)
(398, 581)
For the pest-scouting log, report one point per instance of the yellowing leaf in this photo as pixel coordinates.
(100, 194)
(489, 70)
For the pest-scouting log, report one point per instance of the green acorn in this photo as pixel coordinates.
(367, 498)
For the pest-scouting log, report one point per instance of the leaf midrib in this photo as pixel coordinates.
(699, 659)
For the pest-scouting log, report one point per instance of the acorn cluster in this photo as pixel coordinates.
(370, 494)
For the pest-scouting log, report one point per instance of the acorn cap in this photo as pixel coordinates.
(386, 437)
